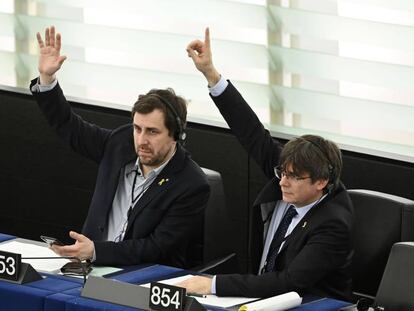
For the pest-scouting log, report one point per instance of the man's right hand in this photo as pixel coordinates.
(50, 59)
(200, 52)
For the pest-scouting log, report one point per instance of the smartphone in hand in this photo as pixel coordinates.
(51, 241)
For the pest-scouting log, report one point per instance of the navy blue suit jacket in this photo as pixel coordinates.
(166, 217)
(316, 257)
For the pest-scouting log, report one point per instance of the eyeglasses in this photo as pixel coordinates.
(279, 172)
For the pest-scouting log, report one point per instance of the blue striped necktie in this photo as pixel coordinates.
(279, 237)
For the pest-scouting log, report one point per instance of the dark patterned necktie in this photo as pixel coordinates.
(278, 238)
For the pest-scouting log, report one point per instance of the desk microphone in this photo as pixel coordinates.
(70, 269)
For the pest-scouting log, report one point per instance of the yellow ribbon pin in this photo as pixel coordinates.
(162, 181)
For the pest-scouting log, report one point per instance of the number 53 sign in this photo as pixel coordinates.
(9, 266)
(165, 297)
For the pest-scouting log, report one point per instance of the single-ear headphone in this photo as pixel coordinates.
(179, 134)
(331, 168)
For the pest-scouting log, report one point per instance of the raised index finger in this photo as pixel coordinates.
(207, 38)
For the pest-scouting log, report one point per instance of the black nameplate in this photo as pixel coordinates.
(165, 297)
(10, 266)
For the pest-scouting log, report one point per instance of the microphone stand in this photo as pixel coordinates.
(64, 257)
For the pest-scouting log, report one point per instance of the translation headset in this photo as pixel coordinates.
(179, 134)
(331, 168)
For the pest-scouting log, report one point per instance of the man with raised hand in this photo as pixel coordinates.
(304, 235)
(149, 196)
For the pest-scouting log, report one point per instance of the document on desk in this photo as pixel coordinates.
(211, 300)
(33, 250)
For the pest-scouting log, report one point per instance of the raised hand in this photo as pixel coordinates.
(50, 59)
(200, 52)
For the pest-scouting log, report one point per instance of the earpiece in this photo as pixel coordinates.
(179, 134)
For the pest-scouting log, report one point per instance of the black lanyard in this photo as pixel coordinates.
(135, 199)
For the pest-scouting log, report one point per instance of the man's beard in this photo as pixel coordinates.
(151, 159)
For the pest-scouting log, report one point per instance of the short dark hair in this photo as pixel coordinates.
(147, 103)
(314, 155)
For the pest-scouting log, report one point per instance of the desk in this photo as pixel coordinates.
(322, 304)
(6, 237)
(55, 292)
(63, 293)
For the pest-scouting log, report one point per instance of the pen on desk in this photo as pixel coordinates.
(197, 295)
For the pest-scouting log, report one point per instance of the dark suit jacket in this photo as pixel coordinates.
(167, 215)
(316, 257)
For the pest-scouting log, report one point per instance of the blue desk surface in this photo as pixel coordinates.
(5, 237)
(322, 304)
(55, 292)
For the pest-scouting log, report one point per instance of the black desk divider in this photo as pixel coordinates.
(27, 274)
(191, 304)
(126, 294)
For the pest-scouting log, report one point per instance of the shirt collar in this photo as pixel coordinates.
(304, 209)
(131, 168)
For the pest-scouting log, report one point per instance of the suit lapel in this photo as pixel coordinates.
(159, 185)
(304, 225)
(300, 228)
(126, 152)
(164, 180)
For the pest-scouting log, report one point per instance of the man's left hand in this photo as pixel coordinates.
(82, 249)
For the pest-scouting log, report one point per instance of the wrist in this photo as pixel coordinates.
(46, 79)
(92, 254)
(212, 76)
